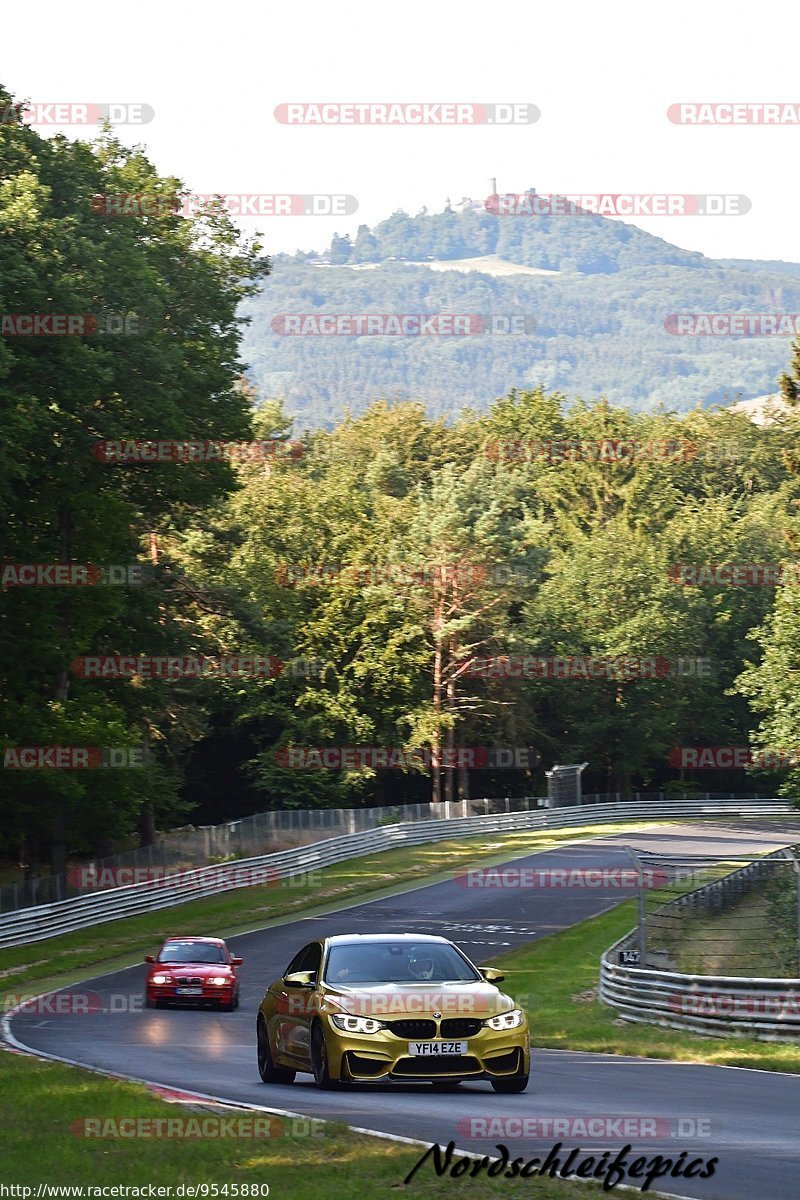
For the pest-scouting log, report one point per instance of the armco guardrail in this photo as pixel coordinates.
(767, 1009)
(192, 847)
(65, 916)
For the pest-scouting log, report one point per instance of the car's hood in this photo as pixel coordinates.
(202, 970)
(398, 1000)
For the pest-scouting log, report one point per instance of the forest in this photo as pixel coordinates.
(224, 627)
(601, 322)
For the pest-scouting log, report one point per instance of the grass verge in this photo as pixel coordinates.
(69, 957)
(555, 980)
(43, 1104)
(740, 940)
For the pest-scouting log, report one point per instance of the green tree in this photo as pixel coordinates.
(164, 291)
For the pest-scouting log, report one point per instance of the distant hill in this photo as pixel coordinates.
(598, 290)
(763, 410)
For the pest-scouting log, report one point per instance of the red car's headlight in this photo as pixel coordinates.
(161, 979)
(220, 980)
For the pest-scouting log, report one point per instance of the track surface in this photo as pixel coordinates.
(754, 1116)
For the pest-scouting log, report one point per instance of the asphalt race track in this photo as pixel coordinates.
(753, 1117)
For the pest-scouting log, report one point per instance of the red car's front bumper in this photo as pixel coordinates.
(204, 993)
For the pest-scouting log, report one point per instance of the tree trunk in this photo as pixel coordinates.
(147, 817)
(463, 782)
(436, 769)
(449, 769)
(58, 849)
(147, 824)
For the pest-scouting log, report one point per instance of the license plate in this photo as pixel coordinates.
(421, 1049)
(189, 991)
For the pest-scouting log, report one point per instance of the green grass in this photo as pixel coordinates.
(737, 941)
(555, 979)
(115, 944)
(41, 1102)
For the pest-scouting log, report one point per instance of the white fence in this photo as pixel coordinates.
(65, 916)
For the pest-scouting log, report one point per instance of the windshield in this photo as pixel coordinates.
(191, 952)
(398, 962)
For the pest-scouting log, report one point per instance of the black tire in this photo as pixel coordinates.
(514, 1083)
(148, 1003)
(319, 1060)
(266, 1068)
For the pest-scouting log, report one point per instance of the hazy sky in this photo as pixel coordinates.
(603, 77)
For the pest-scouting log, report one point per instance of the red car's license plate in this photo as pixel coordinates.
(189, 991)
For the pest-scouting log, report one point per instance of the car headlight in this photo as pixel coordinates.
(356, 1024)
(160, 979)
(509, 1020)
(219, 980)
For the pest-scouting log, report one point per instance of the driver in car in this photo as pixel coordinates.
(420, 966)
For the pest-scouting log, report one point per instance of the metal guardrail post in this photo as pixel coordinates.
(788, 853)
(641, 904)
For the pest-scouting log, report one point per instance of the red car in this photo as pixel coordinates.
(193, 970)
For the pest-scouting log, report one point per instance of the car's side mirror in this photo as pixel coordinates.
(149, 958)
(300, 979)
(236, 962)
(491, 975)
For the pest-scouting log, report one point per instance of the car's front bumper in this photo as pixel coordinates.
(491, 1054)
(167, 994)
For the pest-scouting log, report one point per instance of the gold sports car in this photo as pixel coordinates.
(380, 1007)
